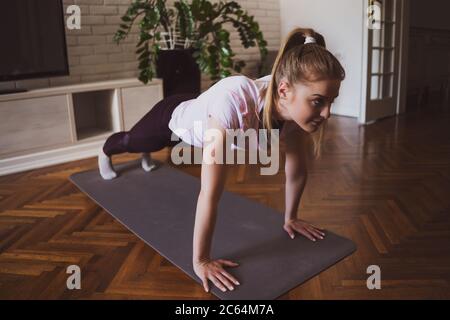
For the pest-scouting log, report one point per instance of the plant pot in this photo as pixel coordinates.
(179, 71)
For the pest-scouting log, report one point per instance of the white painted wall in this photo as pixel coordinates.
(341, 23)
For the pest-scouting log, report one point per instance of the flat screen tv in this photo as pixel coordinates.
(32, 39)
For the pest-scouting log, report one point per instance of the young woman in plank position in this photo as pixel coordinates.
(296, 98)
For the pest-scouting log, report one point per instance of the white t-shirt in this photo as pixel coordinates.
(234, 101)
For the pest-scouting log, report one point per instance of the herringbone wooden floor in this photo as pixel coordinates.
(386, 186)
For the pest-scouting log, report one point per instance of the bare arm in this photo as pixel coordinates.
(213, 177)
(296, 176)
(295, 167)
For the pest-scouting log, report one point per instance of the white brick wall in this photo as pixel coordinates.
(94, 56)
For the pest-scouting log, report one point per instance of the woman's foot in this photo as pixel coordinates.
(105, 166)
(147, 163)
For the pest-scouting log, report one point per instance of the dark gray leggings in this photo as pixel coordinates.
(149, 134)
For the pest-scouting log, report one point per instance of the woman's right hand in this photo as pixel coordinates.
(213, 270)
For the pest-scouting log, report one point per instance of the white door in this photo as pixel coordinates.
(381, 50)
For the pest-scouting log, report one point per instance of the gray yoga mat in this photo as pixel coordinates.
(159, 207)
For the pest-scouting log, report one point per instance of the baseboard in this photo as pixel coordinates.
(48, 158)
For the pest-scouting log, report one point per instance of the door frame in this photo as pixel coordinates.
(403, 62)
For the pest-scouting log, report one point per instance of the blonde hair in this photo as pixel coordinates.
(300, 62)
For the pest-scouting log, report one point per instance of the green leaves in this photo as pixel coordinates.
(223, 35)
(201, 22)
(185, 20)
(153, 17)
(126, 18)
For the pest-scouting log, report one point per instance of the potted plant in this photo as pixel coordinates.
(195, 29)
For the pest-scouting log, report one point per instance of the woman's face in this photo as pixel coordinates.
(307, 103)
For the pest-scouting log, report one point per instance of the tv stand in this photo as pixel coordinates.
(15, 90)
(53, 125)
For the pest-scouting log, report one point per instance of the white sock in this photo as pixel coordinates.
(105, 166)
(147, 163)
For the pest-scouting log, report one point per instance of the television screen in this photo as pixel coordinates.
(33, 42)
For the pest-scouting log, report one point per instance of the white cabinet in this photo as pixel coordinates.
(31, 124)
(137, 101)
(54, 125)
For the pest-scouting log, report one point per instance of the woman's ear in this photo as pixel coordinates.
(283, 89)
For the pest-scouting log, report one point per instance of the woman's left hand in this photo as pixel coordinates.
(308, 230)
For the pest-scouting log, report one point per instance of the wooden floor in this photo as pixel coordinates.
(386, 186)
